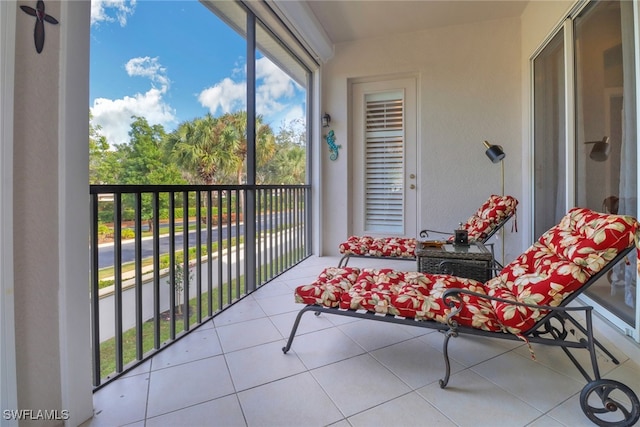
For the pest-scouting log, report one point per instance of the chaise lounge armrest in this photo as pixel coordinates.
(451, 298)
(425, 232)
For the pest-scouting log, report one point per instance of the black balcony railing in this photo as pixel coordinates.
(165, 259)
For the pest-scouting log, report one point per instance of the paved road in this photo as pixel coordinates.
(106, 252)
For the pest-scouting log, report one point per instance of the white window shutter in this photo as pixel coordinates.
(384, 162)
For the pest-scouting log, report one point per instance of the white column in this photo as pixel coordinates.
(73, 212)
(8, 387)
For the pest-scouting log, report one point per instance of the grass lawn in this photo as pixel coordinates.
(229, 295)
(108, 347)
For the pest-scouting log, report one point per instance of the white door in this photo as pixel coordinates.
(384, 161)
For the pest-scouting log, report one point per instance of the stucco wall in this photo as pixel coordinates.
(35, 220)
(50, 175)
(470, 83)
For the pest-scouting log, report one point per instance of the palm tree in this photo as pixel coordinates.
(265, 140)
(202, 147)
(291, 165)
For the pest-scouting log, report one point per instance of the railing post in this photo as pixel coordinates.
(138, 278)
(95, 291)
(250, 240)
(250, 201)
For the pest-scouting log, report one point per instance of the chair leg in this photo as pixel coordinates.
(292, 335)
(343, 261)
(445, 352)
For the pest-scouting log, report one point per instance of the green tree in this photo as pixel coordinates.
(201, 148)
(104, 167)
(144, 161)
(288, 165)
(237, 131)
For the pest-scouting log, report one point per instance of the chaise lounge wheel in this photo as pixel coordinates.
(610, 403)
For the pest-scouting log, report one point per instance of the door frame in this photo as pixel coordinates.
(409, 84)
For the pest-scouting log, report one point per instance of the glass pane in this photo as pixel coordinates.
(549, 135)
(281, 107)
(606, 133)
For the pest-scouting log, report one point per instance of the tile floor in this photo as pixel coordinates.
(348, 372)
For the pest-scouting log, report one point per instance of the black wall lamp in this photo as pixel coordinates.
(326, 119)
(600, 150)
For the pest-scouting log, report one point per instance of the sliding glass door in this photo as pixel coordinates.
(605, 128)
(585, 136)
(549, 136)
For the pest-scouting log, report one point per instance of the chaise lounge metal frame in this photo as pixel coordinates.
(557, 328)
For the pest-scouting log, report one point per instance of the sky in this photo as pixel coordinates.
(173, 61)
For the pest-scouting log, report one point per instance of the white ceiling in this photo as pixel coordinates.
(347, 20)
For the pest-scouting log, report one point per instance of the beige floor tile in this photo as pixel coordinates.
(528, 380)
(415, 362)
(374, 335)
(324, 347)
(199, 344)
(188, 384)
(401, 411)
(471, 400)
(359, 383)
(237, 336)
(261, 364)
(224, 411)
(290, 402)
(123, 401)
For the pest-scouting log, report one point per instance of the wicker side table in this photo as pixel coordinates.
(472, 262)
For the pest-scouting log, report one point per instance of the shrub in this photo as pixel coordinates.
(104, 231)
(128, 214)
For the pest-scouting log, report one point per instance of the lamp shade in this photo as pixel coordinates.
(494, 152)
(601, 149)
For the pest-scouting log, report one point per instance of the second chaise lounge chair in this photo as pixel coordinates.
(484, 223)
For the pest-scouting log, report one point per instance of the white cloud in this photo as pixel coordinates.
(275, 82)
(112, 11)
(228, 96)
(295, 115)
(148, 67)
(114, 115)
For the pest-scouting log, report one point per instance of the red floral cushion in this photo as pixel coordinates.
(419, 296)
(590, 239)
(382, 246)
(538, 277)
(372, 290)
(412, 301)
(356, 245)
(489, 215)
(328, 288)
(559, 263)
(393, 247)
